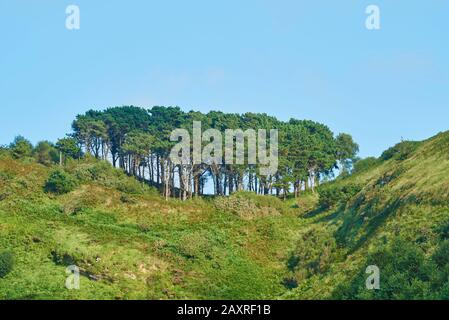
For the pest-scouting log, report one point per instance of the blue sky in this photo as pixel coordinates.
(302, 59)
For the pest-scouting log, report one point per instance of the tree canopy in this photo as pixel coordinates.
(137, 140)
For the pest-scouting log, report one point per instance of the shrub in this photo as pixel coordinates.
(101, 170)
(98, 171)
(69, 148)
(406, 274)
(329, 196)
(314, 253)
(400, 151)
(332, 194)
(441, 255)
(6, 263)
(248, 205)
(62, 258)
(194, 245)
(85, 198)
(365, 164)
(45, 153)
(21, 147)
(59, 182)
(4, 151)
(103, 173)
(387, 177)
(130, 186)
(443, 230)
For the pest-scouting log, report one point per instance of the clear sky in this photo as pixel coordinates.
(303, 59)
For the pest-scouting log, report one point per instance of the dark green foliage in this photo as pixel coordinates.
(92, 170)
(441, 255)
(290, 283)
(3, 151)
(346, 151)
(46, 153)
(388, 177)
(68, 147)
(59, 182)
(62, 258)
(6, 263)
(21, 147)
(443, 231)
(405, 273)
(331, 194)
(139, 246)
(365, 164)
(138, 141)
(315, 252)
(248, 205)
(101, 172)
(131, 186)
(400, 151)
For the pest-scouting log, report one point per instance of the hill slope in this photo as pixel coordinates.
(393, 214)
(130, 243)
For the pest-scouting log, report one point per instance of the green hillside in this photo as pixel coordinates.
(393, 212)
(130, 243)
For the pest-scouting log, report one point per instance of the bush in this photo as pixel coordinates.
(400, 151)
(59, 182)
(248, 205)
(365, 164)
(332, 194)
(4, 151)
(405, 274)
(329, 196)
(314, 253)
(103, 173)
(441, 255)
(130, 186)
(21, 147)
(6, 263)
(45, 153)
(195, 245)
(98, 171)
(387, 177)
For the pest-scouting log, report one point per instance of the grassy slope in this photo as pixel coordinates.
(139, 246)
(400, 198)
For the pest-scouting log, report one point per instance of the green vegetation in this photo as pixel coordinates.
(130, 243)
(333, 194)
(407, 274)
(61, 206)
(6, 263)
(401, 151)
(21, 147)
(138, 141)
(59, 182)
(396, 219)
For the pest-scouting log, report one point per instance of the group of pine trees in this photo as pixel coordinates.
(137, 140)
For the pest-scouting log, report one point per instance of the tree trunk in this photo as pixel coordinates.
(196, 185)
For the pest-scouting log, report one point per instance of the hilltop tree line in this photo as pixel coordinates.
(137, 141)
